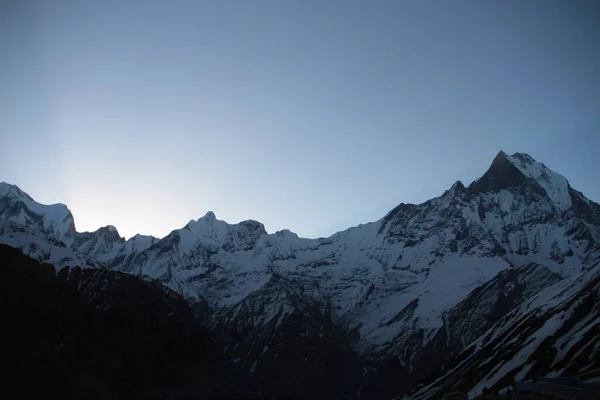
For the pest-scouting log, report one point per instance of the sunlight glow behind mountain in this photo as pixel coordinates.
(312, 116)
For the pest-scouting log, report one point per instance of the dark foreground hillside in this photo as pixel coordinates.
(99, 334)
(92, 333)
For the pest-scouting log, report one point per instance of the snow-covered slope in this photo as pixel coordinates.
(42, 248)
(53, 221)
(391, 284)
(555, 332)
(555, 185)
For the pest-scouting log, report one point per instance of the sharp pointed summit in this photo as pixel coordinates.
(520, 170)
(502, 174)
(210, 216)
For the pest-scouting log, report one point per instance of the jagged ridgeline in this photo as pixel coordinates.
(488, 283)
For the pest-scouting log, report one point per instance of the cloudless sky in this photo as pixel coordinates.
(307, 115)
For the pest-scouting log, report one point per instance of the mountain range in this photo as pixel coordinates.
(486, 284)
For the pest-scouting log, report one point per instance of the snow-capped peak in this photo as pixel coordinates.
(111, 228)
(6, 189)
(210, 216)
(110, 232)
(54, 220)
(513, 171)
(207, 229)
(456, 188)
(555, 185)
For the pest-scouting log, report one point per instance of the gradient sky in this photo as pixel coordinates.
(307, 115)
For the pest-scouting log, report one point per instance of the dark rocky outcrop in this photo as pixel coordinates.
(502, 174)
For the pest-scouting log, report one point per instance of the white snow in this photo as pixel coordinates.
(549, 327)
(555, 185)
(57, 220)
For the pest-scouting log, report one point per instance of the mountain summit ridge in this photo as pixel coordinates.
(522, 162)
(397, 286)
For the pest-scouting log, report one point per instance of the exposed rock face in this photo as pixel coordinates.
(408, 294)
(502, 175)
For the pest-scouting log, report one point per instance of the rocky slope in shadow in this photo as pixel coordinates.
(100, 334)
(97, 334)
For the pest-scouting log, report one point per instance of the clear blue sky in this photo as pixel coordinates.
(307, 115)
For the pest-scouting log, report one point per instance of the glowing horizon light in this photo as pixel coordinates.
(309, 116)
